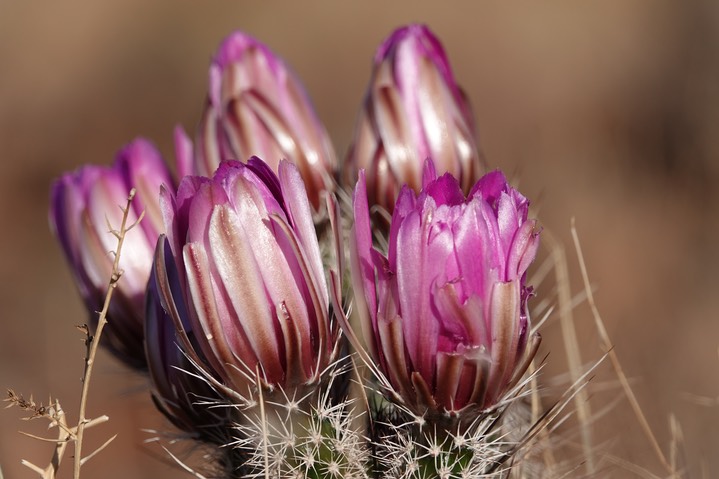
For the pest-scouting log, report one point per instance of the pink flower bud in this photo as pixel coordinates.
(240, 272)
(82, 205)
(257, 106)
(444, 312)
(413, 110)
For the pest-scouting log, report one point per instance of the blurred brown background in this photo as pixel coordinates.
(605, 111)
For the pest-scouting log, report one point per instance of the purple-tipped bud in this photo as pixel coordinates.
(258, 107)
(240, 271)
(82, 205)
(413, 110)
(444, 312)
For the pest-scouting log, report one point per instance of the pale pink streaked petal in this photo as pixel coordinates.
(219, 341)
(298, 208)
(235, 261)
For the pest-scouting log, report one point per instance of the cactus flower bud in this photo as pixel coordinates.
(413, 110)
(444, 312)
(240, 272)
(257, 107)
(83, 203)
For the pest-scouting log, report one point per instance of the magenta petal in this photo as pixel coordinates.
(250, 272)
(406, 203)
(238, 179)
(429, 173)
(472, 247)
(86, 205)
(219, 339)
(423, 41)
(490, 186)
(257, 106)
(414, 115)
(507, 220)
(414, 278)
(445, 191)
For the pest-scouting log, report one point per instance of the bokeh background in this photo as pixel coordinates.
(603, 111)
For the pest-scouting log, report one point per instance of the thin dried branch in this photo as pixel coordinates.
(94, 453)
(36, 409)
(92, 342)
(65, 434)
(56, 416)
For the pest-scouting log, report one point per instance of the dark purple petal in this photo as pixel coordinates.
(269, 179)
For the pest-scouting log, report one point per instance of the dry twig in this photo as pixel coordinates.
(53, 412)
(93, 342)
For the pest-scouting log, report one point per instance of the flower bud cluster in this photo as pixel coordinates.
(227, 297)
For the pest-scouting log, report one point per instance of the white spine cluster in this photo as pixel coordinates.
(313, 436)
